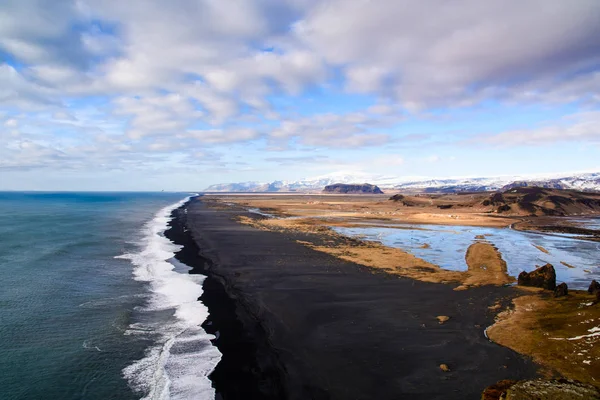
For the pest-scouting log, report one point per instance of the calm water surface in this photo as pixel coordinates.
(448, 246)
(91, 302)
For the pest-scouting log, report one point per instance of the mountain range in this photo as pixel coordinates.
(582, 181)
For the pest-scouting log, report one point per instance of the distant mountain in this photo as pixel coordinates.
(345, 188)
(584, 182)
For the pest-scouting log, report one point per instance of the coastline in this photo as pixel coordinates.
(245, 359)
(296, 323)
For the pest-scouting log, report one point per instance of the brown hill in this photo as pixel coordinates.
(543, 201)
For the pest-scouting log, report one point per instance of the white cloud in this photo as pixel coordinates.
(438, 52)
(11, 123)
(222, 135)
(166, 79)
(580, 127)
(357, 129)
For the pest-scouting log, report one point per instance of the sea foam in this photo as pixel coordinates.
(177, 365)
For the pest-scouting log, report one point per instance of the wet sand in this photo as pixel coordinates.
(295, 323)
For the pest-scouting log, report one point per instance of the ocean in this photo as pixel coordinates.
(92, 303)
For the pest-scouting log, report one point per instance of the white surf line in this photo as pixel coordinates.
(161, 374)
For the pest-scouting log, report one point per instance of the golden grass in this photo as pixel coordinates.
(347, 207)
(558, 333)
(485, 264)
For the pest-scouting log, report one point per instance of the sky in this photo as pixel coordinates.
(181, 94)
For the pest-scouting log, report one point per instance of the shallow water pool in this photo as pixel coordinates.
(446, 246)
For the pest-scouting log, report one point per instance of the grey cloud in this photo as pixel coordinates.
(439, 52)
(42, 32)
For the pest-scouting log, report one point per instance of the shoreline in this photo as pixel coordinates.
(310, 325)
(239, 360)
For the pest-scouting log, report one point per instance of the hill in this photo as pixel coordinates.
(364, 188)
(544, 201)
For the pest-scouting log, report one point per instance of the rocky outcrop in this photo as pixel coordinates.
(561, 290)
(543, 277)
(594, 287)
(560, 389)
(343, 188)
(397, 197)
(538, 389)
(497, 389)
(503, 208)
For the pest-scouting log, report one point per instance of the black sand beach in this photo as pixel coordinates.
(294, 323)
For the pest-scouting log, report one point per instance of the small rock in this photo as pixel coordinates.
(442, 318)
(444, 367)
(543, 277)
(594, 287)
(561, 290)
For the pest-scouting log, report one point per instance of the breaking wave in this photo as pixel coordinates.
(182, 356)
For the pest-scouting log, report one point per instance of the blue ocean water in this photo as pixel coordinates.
(92, 305)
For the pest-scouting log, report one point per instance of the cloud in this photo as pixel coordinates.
(17, 92)
(435, 52)
(40, 32)
(223, 135)
(579, 127)
(225, 54)
(296, 160)
(356, 129)
(91, 81)
(155, 114)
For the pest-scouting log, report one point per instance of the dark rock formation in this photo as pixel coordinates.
(497, 390)
(543, 277)
(497, 198)
(397, 197)
(352, 189)
(503, 208)
(561, 290)
(445, 206)
(594, 287)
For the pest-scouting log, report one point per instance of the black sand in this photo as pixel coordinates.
(294, 323)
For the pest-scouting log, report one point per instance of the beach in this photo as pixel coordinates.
(296, 323)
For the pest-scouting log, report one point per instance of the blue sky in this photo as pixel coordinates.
(178, 95)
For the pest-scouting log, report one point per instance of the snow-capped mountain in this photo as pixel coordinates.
(584, 181)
